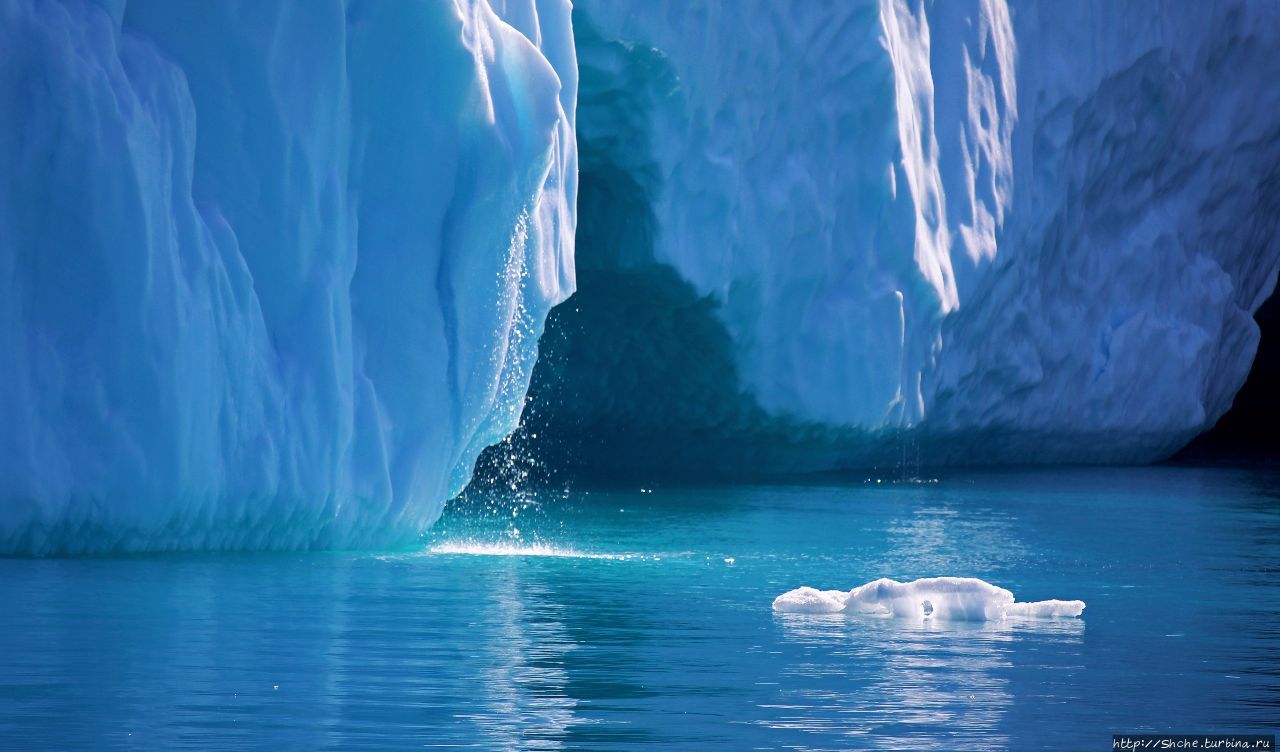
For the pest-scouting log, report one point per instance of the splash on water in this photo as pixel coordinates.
(510, 548)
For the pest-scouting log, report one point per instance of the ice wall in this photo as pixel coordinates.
(271, 274)
(1017, 231)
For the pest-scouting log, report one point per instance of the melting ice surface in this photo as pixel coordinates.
(945, 598)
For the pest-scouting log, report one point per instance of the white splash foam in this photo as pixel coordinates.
(944, 598)
(472, 548)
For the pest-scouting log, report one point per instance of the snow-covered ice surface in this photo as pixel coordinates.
(944, 598)
(271, 273)
(1030, 231)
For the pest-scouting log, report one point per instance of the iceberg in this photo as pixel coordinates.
(273, 273)
(993, 231)
(942, 598)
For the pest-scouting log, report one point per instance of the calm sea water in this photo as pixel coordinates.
(641, 620)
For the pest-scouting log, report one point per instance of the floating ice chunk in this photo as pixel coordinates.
(949, 598)
(944, 598)
(1045, 609)
(807, 600)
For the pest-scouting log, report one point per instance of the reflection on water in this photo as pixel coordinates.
(522, 678)
(947, 536)
(621, 621)
(893, 684)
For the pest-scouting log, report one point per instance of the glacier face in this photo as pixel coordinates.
(1012, 231)
(273, 273)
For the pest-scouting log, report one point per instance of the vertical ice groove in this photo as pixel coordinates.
(907, 42)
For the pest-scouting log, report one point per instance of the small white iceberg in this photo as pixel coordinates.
(944, 598)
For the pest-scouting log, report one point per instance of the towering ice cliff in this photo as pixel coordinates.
(271, 273)
(1013, 232)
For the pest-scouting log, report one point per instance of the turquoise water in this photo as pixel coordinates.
(642, 620)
